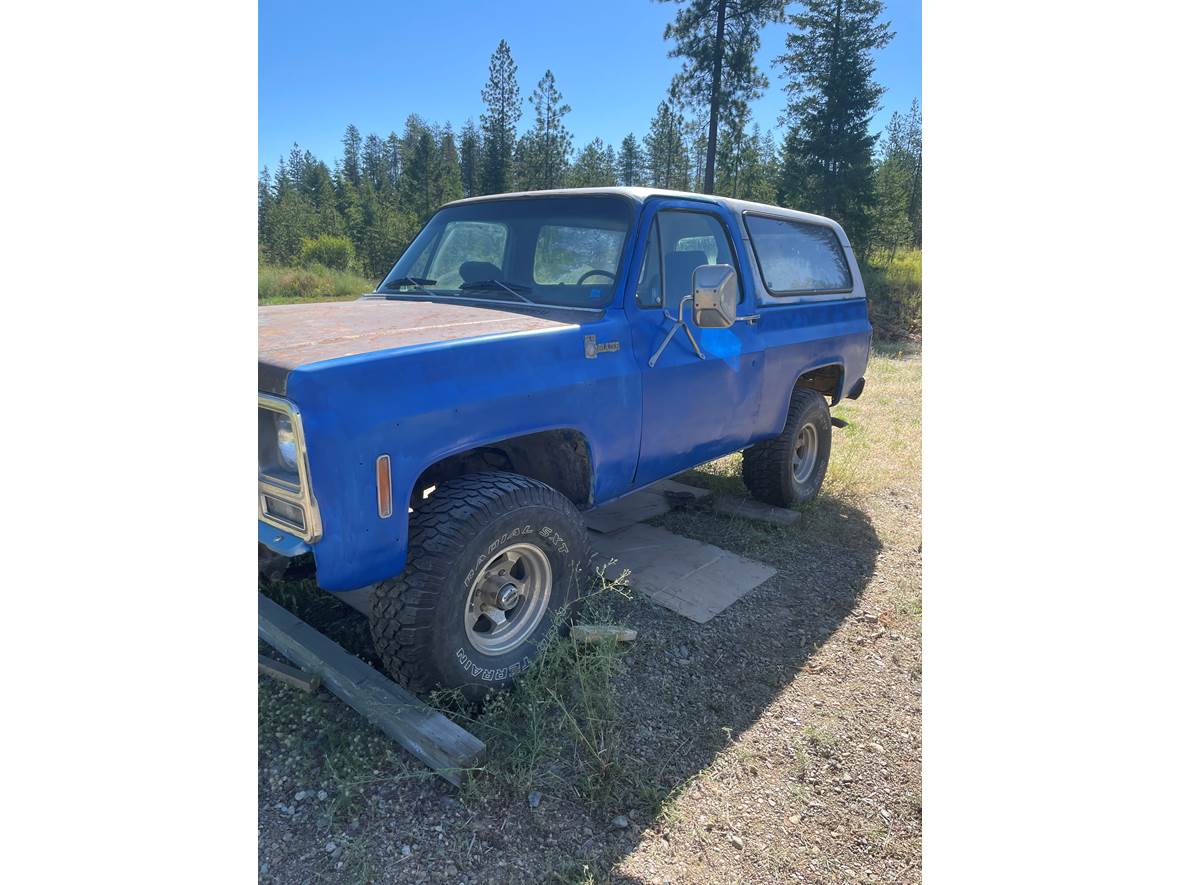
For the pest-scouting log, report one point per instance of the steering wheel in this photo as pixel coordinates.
(592, 273)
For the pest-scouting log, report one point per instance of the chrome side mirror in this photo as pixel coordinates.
(714, 296)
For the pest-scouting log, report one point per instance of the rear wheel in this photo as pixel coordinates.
(494, 559)
(789, 469)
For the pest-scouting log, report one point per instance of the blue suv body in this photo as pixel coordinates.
(581, 339)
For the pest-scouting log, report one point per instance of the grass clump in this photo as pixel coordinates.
(315, 282)
(893, 282)
(821, 740)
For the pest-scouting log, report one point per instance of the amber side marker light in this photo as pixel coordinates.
(384, 488)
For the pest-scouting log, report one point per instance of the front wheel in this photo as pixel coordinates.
(789, 469)
(494, 559)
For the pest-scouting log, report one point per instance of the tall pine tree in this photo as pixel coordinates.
(594, 166)
(897, 219)
(469, 159)
(501, 98)
(350, 166)
(419, 179)
(265, 201)
(546, 147)
(717, 40)
(665, 155)
(374, 167)
(827, 154)
(450, 175)
(392, 154)
(630, 166)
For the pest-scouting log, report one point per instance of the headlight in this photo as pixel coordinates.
(285, 499)
(278, 448)
(285, 440)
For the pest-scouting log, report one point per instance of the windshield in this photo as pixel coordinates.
(563, 251)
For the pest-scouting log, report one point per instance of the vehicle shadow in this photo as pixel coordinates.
(691, 690)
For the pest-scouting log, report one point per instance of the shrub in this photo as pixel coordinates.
(280, 284)
(330, 251)
(893, 282)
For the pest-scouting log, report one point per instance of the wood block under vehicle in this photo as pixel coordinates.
(636, 507)
(748, 508)
(693, 579)
(287, 674)
(448, 748)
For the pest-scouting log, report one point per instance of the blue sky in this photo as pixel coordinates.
(324, 65)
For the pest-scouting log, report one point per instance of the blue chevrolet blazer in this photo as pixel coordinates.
(530, 357)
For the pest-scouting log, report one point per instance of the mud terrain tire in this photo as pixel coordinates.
(789, 469)
(426, 623)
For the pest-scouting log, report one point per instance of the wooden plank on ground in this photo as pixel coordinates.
(647, 503)
(591, 633)
(748, 508)
(693, 579)
(449, 749)
(286, 673)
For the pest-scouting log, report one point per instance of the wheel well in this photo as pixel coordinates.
(558, 458)
(828, 380)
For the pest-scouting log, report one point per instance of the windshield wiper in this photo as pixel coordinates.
(416, 282)
(513, 289)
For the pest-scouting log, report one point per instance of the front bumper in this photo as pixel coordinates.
(281, 542)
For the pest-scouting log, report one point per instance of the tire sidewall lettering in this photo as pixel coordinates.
(503, 540)
(489, 674)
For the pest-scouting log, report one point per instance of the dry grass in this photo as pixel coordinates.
(881, 448)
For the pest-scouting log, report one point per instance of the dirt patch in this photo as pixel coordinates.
(781, 741)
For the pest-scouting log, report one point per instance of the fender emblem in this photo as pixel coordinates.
(593, 348)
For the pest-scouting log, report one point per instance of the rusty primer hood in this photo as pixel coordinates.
(293, 335)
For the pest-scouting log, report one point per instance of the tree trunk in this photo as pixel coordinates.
(715, 100)
(828, 199)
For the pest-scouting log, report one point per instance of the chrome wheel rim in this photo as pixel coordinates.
(508, 599)
(806, 451)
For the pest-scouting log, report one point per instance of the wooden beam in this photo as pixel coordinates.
(426, 733)
(590, 633)
(756, 510)
(285, 673)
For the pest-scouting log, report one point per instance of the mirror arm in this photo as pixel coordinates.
(679, 323)
(695, 346)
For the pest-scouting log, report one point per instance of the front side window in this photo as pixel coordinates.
(557, 251)
(688, 240)
(798, 258)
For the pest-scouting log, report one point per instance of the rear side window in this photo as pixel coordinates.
(798, 258)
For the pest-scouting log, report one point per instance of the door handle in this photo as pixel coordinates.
(751, 319)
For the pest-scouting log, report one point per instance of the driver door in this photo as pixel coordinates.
(694, 409)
